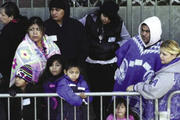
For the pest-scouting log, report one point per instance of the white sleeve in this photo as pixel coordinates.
(83, 20)
(156, 88)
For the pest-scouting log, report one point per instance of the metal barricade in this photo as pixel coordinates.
(169, 103)
(99, 94)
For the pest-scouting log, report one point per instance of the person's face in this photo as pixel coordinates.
(57, 14)
(121, 111)
(166, 57)
(145, 34)
(105, 19)
(55, 68)
(35, 33)
(4, 18)
(73, 73)
(19, 82)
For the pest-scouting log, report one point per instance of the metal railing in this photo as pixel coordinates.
(169, 103)
(100, 94)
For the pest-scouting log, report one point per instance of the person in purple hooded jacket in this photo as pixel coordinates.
(138, 59)
(67, 87)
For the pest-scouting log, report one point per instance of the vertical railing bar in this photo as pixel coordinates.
(114, 107)
(46, 3)
(156, 109)
(129, 15)
(32, 3)
(170, 20)
(127, 108)
(48, 102)
(74, 112)
(140, 108)
(88, 109)
(142, 10)
(21, 103)
(9, 109)
(17, 2)
(35, 108)
(101, 107)
(61, 109)
(155, 8)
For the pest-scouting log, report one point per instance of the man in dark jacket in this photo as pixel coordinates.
(70, 33)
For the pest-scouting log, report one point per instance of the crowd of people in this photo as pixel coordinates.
(66, 56)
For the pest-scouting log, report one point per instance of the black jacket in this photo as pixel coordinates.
(71, 38)
(27, 113)
(10, 37)
(102, 38)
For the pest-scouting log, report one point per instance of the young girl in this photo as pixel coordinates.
(53, 71)
(120, 111)
(72, 82)
(23, 84)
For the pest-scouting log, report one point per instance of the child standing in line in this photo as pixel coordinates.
(120, 111)
(48, 79)
(23, 84)
(72, 82)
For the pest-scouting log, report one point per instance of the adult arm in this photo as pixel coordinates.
(156, 88)
(124, 35)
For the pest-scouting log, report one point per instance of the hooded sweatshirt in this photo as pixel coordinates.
(137, 57)
(160, 87)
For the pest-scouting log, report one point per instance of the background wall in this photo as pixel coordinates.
(131, 11)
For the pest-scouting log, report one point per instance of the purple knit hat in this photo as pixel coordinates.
(25, 72)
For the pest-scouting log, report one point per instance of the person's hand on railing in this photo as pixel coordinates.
(82, 95)
(130, 88)
(12, 93)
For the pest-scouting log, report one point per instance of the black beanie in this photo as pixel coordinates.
(57, 4)
(109, 8)
(62, 4)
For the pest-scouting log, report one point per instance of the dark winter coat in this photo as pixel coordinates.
(103, 38)
(71, 38)
(27, 113)
(10, 37)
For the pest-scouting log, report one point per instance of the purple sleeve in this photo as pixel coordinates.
(87, 90)
(121, 52)
(67, 93)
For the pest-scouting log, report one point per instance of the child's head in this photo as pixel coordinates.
(72, 69)
(23, 76)
(54, 65)
(121, 108)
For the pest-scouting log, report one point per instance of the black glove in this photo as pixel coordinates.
(12, 93)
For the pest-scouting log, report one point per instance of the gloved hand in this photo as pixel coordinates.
(12, 93)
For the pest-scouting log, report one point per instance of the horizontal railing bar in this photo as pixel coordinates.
(87, 94)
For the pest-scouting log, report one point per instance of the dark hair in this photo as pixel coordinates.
(11, 9)
(36, 20)
(72, 63)
(46, 73)
(110, 9)
(119, 101)
(63, 4)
